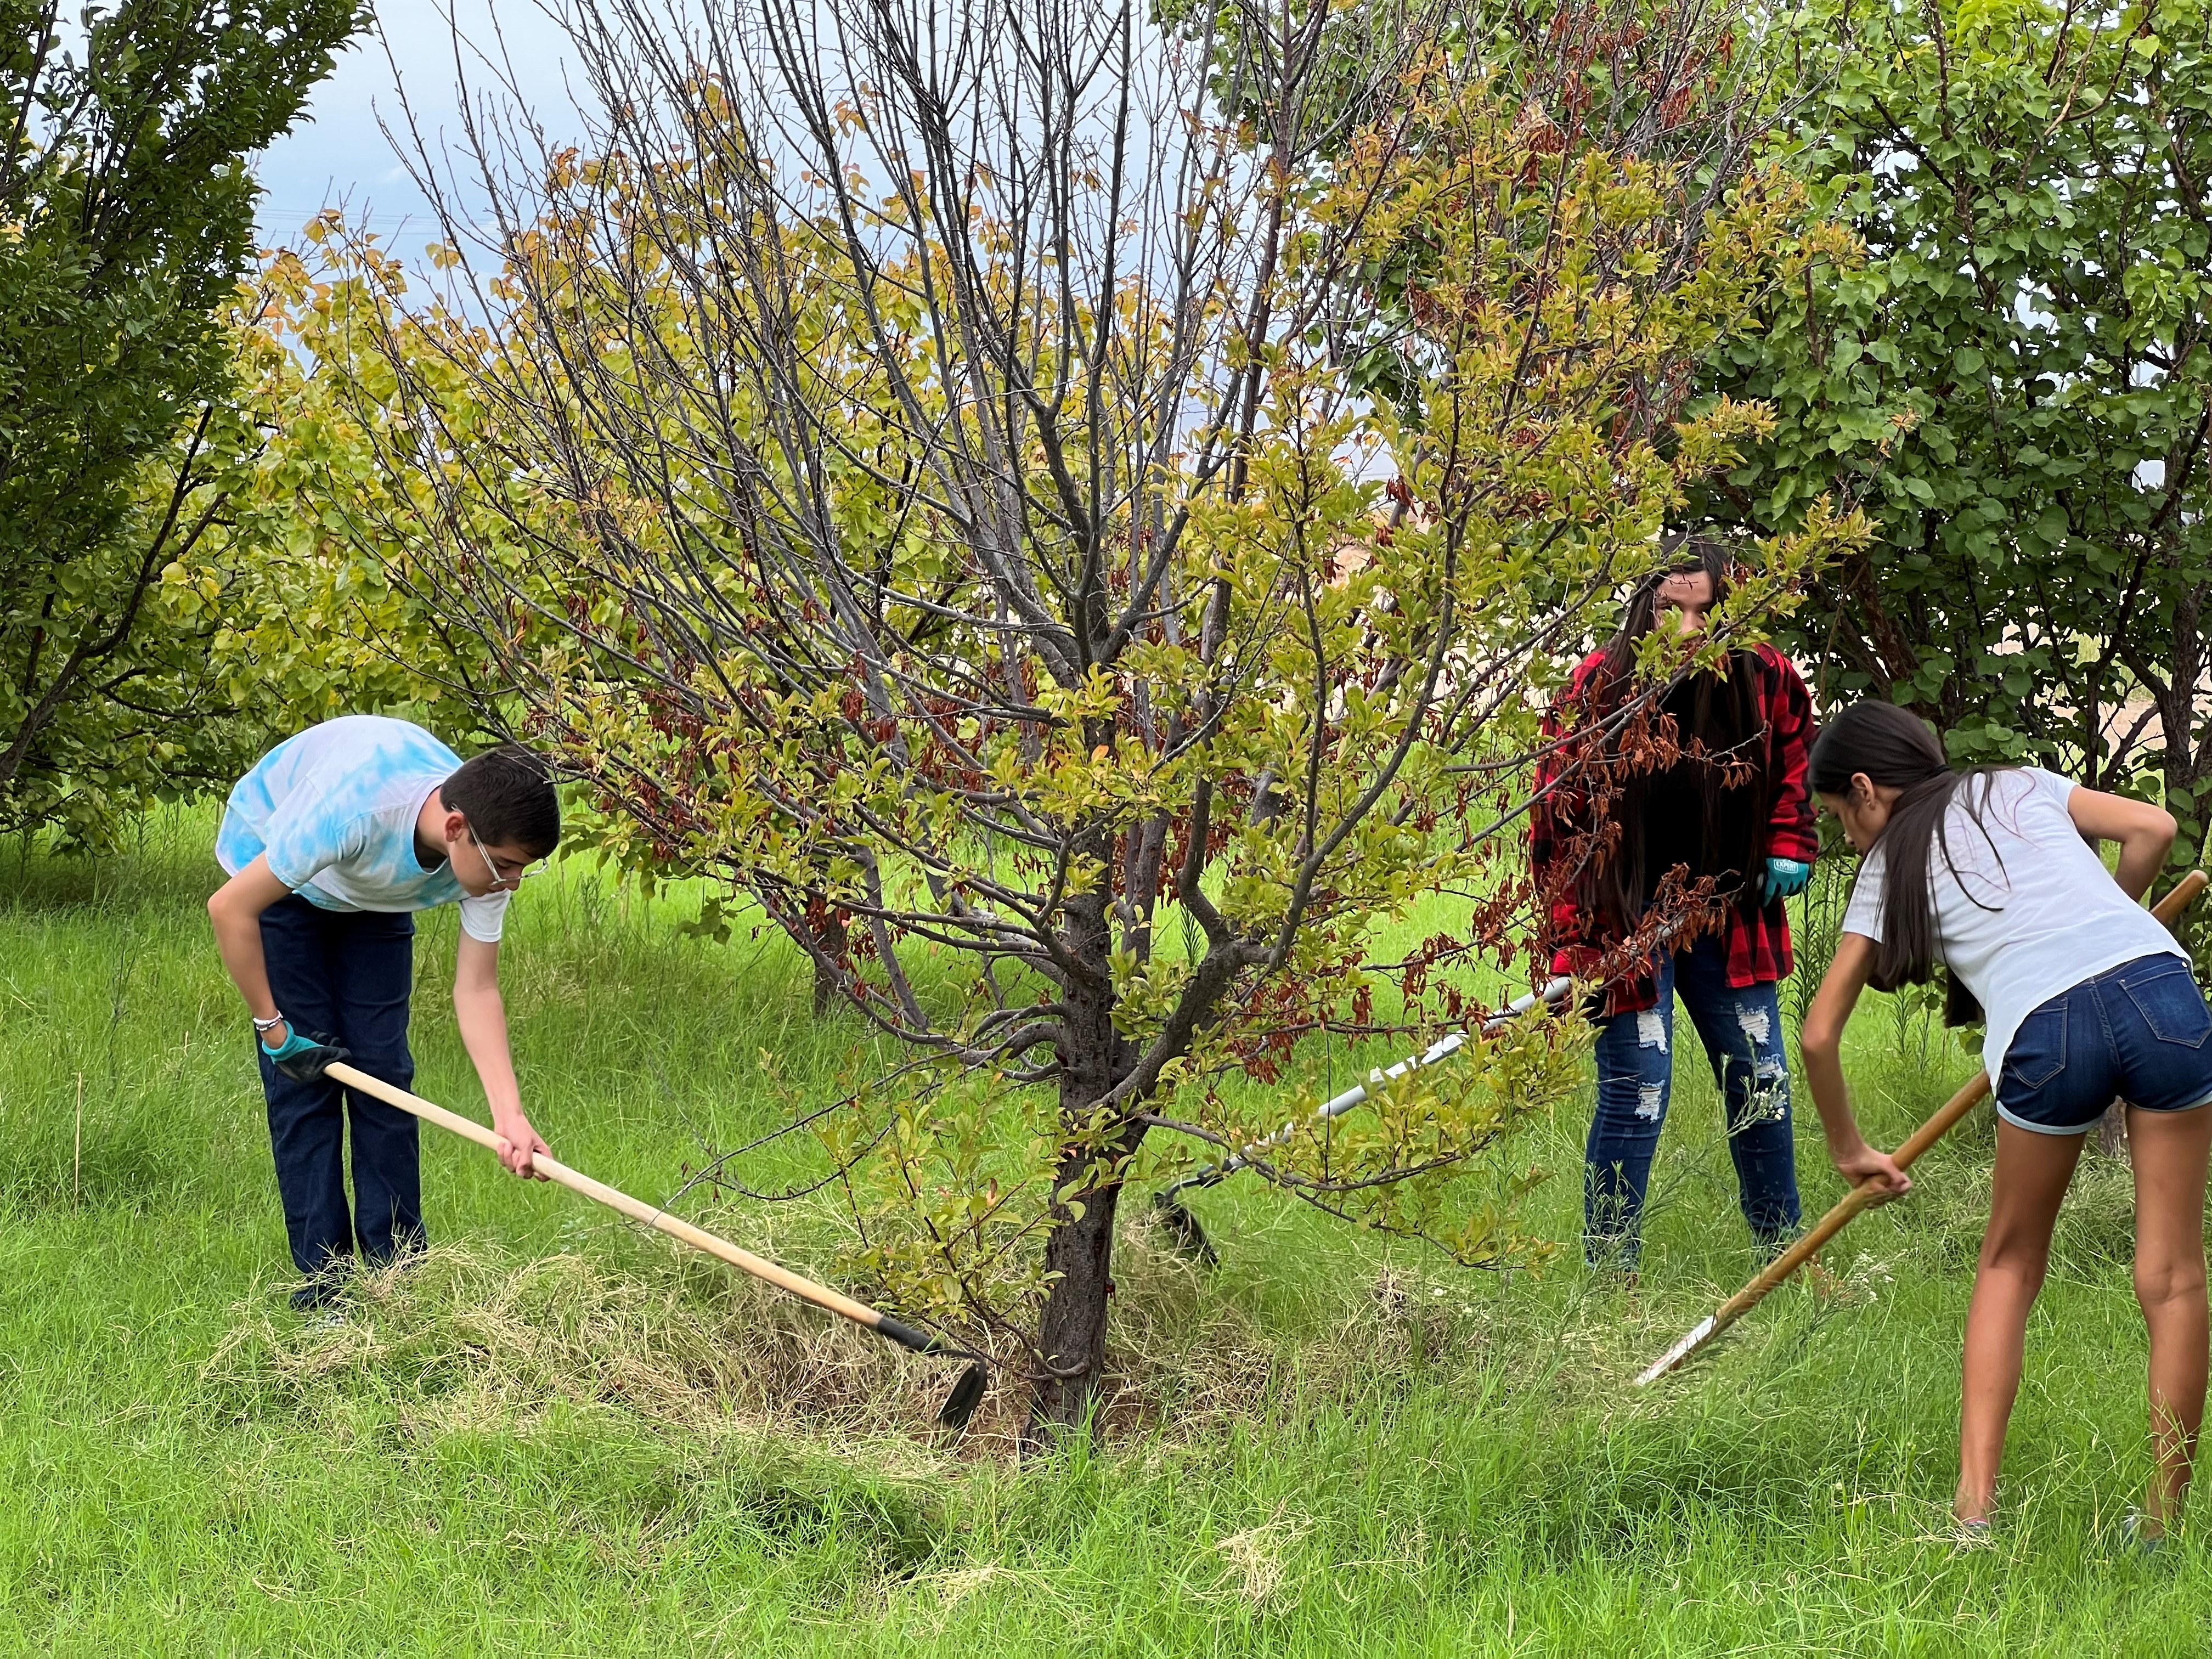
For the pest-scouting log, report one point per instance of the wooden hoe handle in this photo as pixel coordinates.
(637, 1210)
(2167, 910)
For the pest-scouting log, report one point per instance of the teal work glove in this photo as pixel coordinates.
(302, 1059)
(1785, 878)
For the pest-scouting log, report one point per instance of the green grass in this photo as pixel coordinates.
(555, 1438)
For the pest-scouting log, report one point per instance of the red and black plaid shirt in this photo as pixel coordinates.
(1757, 935)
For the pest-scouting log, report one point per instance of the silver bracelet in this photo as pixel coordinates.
(269, 1024)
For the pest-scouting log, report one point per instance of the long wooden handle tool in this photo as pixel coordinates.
(2167, 910)
(965, 1392)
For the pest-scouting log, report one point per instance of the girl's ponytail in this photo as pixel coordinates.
(1899, 750)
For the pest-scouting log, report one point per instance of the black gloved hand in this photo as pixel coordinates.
(302, 1059)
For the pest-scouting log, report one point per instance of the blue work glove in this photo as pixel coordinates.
(1785, 878)
(302, 1059)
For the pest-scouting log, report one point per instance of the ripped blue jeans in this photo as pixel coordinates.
(1742, 1030)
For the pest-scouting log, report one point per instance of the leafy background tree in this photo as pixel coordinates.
(2013, 373)
(301, 600)
(126, 215)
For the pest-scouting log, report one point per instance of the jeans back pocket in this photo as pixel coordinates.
(2168, 997)
(2037, 1053)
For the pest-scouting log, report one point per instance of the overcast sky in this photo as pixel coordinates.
(337, 155)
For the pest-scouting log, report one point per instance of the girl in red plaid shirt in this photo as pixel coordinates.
(1694, 796)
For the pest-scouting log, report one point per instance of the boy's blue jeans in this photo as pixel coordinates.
(348, 974)
(1742, 1030)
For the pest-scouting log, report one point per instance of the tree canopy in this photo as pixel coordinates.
(918, 465)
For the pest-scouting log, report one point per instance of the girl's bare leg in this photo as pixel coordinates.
(2032, 1173)
(2169, 1150)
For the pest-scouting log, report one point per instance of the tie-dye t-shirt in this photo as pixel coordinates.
(334, 810)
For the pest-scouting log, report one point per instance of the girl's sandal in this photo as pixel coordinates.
(1974, 1534)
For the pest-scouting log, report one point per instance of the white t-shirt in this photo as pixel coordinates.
(2049, 915)
(334, 809)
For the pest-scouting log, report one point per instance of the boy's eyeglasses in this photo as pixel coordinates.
(509, 879)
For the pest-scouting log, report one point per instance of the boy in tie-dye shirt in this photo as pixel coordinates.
(331, 842)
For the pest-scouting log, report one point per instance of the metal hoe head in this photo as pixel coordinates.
(967, 1393)
(1186, 1237)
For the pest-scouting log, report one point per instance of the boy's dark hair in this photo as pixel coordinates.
(508, 796)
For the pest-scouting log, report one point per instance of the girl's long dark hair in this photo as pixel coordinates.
(1721, 722)
(1898, 749)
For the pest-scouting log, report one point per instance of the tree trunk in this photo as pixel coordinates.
(1093, 1057)
(1072, 1334)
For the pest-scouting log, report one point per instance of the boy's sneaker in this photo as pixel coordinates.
(320, 1290)
(2137, 1542)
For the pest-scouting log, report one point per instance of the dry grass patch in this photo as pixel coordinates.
(460, 1338)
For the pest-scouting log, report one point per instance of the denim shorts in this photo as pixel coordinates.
(2138, 1032)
